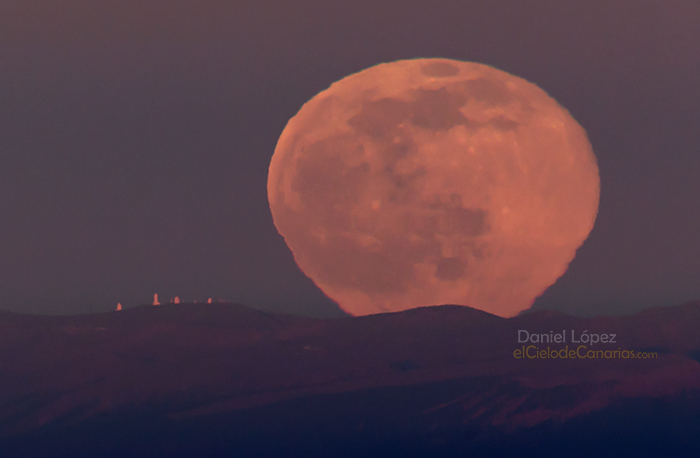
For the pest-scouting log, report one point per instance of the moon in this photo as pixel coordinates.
(433, 181)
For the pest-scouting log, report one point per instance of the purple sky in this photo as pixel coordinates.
(135, 138)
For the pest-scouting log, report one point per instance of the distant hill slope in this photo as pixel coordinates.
(443, 379)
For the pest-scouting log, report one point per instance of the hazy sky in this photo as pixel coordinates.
(135, 138)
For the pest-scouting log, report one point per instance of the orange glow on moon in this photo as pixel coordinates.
(433, 181)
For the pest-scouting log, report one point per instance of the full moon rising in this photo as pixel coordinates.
(433, 181)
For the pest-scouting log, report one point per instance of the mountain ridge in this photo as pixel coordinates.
(201, 361)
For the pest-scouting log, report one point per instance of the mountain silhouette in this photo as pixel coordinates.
(225, 380)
